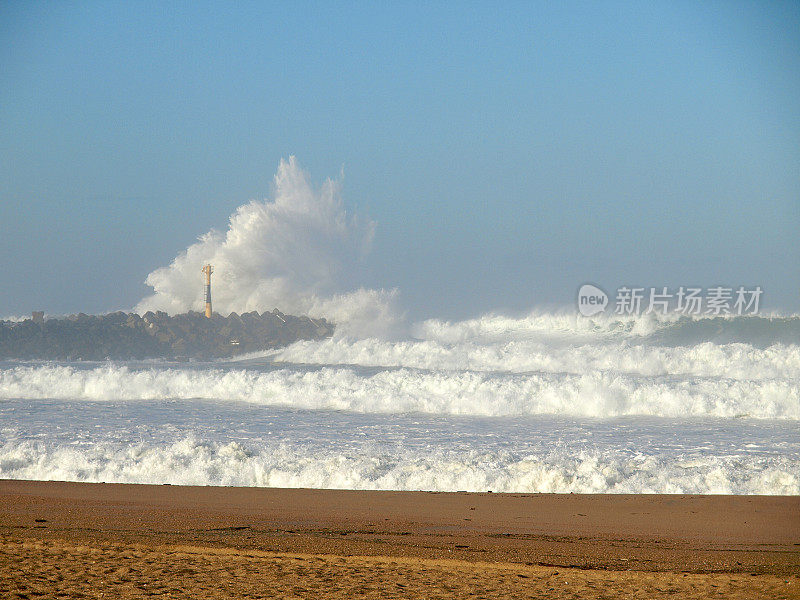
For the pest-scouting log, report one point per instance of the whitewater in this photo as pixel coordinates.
(542, 403)
(549, 401)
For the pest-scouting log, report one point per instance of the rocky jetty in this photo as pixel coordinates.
(129, 336)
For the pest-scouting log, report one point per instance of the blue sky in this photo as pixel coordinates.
(508, 153)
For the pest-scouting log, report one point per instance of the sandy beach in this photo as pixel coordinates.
(76, 540)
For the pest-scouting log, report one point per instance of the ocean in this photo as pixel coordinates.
(546, 402)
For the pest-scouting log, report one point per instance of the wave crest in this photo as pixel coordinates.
(594, 394)
(191, 461)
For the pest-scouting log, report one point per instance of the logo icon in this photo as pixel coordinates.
(591, 300)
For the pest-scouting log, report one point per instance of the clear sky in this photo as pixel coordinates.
(508, 152)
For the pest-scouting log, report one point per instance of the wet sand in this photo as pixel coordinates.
(124, 541)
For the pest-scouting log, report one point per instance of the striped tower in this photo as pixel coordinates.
(208, 270)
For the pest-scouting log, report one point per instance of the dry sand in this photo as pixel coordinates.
(123, 541)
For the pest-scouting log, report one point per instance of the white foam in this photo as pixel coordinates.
(298, 252)
(545, 403)
(594, 393)
(191, 461)
(734, 361)
(541, 325)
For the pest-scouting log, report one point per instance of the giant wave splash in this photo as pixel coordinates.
(544, 402)
(298, 252)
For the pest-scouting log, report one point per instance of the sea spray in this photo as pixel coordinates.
(298, 252)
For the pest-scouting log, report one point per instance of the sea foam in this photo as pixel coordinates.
(404, 390)
(191, 461)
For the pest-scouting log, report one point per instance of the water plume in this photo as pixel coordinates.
(297, 252)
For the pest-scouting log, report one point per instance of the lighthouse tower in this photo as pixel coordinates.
(208, 269)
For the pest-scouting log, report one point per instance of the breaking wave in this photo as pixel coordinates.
(191, 461)
(731, 361)
(480, 404)
(759, 349)
(548, 402)
(405, 390)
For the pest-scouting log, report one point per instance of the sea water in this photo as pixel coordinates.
(542, 403)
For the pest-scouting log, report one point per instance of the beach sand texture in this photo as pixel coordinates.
(74, 540)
